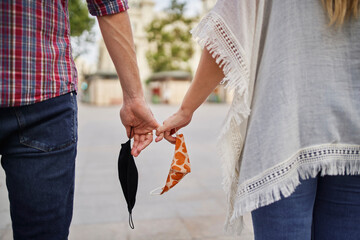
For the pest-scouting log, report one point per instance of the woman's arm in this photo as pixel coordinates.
(207, 77)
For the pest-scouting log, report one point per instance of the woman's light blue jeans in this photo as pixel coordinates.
(322, 208)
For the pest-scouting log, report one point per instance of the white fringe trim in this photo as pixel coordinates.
(213, 34)
(282, 180)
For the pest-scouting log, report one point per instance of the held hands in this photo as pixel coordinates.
(171, 125)
(136, 113)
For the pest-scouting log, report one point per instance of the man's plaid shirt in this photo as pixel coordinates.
(36, 62)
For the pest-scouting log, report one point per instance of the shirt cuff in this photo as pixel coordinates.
(106, 7)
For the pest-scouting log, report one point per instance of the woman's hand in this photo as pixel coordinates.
(208, 76)
(171, 125)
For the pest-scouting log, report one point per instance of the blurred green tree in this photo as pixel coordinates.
(81, 24)
(170, 40)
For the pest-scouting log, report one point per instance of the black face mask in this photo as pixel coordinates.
(128, 176)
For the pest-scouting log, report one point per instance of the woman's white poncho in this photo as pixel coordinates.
(296, 108)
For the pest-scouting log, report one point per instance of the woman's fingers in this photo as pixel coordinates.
(159, 137)
(165, 131)
(161, 129)
(171, 126)
(170, 138)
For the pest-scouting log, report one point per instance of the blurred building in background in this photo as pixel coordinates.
(168, 87)
(101, 87)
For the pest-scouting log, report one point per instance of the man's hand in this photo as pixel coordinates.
(136, 113)
(116, 31)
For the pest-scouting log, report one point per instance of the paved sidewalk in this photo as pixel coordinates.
(193, 210)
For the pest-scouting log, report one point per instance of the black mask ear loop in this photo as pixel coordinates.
(131, 131)
(131, 223)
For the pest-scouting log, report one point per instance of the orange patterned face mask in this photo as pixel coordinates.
(180, 165)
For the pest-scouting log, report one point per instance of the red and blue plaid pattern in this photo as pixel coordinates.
(36, 62)
(106, 7)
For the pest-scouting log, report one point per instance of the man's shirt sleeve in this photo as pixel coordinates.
(106, 7)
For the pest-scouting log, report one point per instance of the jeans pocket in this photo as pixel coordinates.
(49, 125)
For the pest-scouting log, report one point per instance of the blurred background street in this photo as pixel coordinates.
(192, 210)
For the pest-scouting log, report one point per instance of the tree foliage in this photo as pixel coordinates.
(80, 26)
(80, 20)
(170, 39)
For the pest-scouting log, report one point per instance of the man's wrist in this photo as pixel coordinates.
(133, 98)
(133, 95)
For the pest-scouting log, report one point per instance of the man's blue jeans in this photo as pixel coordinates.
(322, 208)
(38, 148)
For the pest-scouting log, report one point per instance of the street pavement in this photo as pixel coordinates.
(193, 210)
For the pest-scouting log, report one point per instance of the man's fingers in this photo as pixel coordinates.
(142, 143)
(148, 139)
(139, 147)
(134, 152)
(134, 146)
(142, 139)
(135, 149)
(156, 124)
